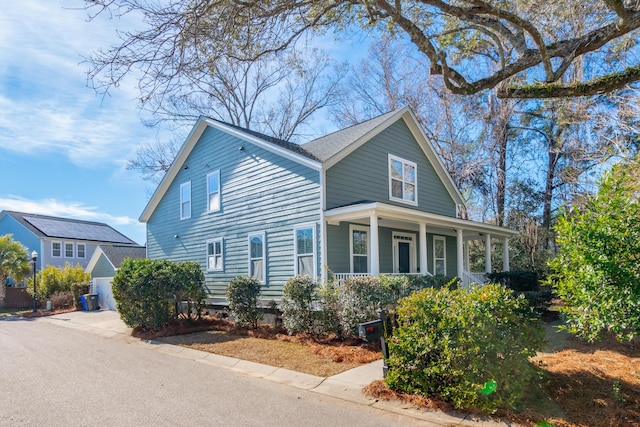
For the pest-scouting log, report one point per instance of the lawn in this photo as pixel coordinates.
(9, 312)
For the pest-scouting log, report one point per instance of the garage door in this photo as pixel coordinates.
(102, 286)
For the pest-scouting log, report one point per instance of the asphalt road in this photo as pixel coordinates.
(57, 376)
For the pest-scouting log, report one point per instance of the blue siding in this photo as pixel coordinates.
(260, 192)
(364, 174)
(8, 225)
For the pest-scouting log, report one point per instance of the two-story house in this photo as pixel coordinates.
(59, 240)
(369, 199)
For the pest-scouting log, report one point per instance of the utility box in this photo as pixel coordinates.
(371, 331)
(92, 301)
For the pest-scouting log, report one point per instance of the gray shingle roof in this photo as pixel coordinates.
(65, 228)
(117, 253)
(327, 146)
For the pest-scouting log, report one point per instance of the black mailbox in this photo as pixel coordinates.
(371, 331)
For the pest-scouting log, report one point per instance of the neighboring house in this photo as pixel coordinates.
(103, 265)
(59, 240)
(373, 198)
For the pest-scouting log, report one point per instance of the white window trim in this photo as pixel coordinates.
(264, 254)
(396, 252)
(221, 240)
(415, 188)
(61, 249)
(444, 245)
(353, 227)
(73, 249)
(185, 184)
(219, 191)
(312, 226)
(78, 252)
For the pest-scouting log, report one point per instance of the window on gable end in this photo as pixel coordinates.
(215, 255)
(213, 191)
(305, 244)
(185, 200)
(403, 180)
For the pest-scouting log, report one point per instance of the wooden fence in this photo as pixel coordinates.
(16, 298)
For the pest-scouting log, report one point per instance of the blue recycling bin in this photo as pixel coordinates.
(83, 301)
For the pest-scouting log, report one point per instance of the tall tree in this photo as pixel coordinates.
(525, 39)
(14, 262)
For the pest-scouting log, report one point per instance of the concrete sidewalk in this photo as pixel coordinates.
(346, 385)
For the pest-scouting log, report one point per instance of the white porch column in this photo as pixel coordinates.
(487, 253)
(422, 241)
(459, 253)
(505, 254)
(373, 245)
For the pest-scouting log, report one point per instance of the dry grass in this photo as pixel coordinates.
(268, 345)
(587, 385)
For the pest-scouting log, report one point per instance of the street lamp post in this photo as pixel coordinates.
(34, 258)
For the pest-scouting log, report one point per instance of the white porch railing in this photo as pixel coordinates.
(468, 278)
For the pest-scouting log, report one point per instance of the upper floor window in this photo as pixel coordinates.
(257, 259)
(215, 257)
(68, 250)
(213, 191)
(403, 182)
(185, 200)
(81, 250)
(305, 250)
(56, 249)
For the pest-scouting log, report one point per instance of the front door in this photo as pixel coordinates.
(404, 252)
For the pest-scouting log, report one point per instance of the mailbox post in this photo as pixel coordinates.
(377, 329)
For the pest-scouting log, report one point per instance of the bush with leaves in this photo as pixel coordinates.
(299, 305)
(147, 291)
(242, 294)
(472, 348)
(358, 301)
(597, 273)
(190, 292)
(67, 279)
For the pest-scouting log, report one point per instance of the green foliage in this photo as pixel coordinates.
(14, 261)
(457, 343)
(242, 294)
(67, 279)
(516, 280)
(147, 291)
(358, 300)
(597, 273)
(298, 305)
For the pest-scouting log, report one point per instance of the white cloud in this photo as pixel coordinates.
(55, 207)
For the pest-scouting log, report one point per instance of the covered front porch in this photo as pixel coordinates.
(377, 238)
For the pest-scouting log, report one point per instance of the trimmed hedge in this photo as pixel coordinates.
(148, 292)
(242, 294)
(472, 348)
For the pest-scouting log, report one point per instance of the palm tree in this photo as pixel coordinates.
(14, 262)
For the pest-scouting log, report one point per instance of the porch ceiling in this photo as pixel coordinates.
(409, 219)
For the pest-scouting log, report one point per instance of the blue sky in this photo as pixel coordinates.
(63, 148)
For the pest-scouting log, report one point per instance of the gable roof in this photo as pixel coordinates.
(286, 149)
(115, 254)
(66, 228)
(336, 146)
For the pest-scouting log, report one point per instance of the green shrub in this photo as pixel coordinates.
(190, 293)
(53, 279)
(298, 305)
(524, 281)
(358, 300)
(457, 343)
(328, 317)
(242, 294)
(147, 291)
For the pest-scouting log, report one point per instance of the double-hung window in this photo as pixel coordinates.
(403, 182)
(213, 191)
(185, 200)
(68, 250)
(215, 255)
(257, 258)
(305, 250)
(81, 250)
(440, 255)
(56, 249)
(359, 248)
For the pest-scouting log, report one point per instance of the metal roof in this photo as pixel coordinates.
(65, 228)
